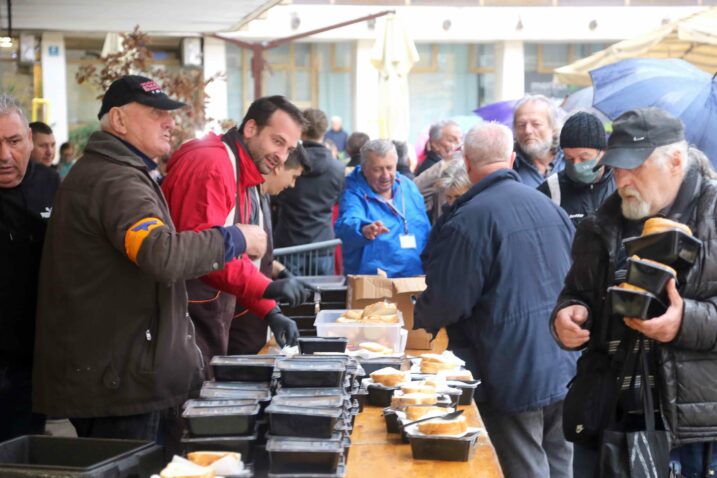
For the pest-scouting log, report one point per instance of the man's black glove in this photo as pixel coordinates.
(283, 328)
(293, 291)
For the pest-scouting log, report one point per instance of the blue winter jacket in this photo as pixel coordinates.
(495, 264)
(360, 206)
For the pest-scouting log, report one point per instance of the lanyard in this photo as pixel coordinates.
(398, 213)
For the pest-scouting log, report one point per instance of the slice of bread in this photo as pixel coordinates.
(661, 224)
(375, 347)
(380, 308)
(413, 399)
(439, 426)
(626, 286)
(414, 412)
(456, 374)
(417, 387)
(389, 376)
(206, 458)
(181, 470)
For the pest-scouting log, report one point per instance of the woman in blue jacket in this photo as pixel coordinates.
(382, 218)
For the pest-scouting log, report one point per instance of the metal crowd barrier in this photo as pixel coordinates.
(316, 259)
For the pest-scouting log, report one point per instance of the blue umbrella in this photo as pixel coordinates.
(502, 112)
(673, 85)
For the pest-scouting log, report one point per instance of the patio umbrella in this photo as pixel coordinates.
(394, 54)
(501, 112)
(693, 39)
(673, 85)
(582, 100)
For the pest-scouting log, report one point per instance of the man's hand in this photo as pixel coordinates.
(283, 328)
(567, 325)
(255, 237)
(373, 230)
(293, 291)
(665, 327)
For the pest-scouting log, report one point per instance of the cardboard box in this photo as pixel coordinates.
(365, 290)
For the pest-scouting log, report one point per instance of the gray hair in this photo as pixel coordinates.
(454, 176)
(436, 130)
(377, 147)
(9, 104)
(488, 143)
(553, 112)
(662, 154)
(699, 160)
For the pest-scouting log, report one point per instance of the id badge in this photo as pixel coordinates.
(408, 241)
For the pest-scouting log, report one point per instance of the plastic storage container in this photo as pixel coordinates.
(302, 422)
(240, 444)
(438, 447)
(674, 248)
(219, 421)
(311, 345)
(247, 368)
(302, 457)
(630, 303)
(311, 373)
(388, 335)
(651, 277)
(46, 456)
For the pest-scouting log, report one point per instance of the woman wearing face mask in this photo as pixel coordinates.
(579, 189)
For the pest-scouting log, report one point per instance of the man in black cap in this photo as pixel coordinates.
(115, 350)
(581, 188)
(648, 153)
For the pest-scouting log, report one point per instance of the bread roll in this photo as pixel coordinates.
(413, 399)
(180, 470)
(390, 377)
(206, 458)
(417, 387)
(660, 224)
(380, 308)
(438, 426)
(375, 347)
(627, 286)
(414, 412)
(381, 319)
(433, 363)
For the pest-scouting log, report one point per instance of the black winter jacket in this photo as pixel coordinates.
(580, 200)
(305, 212)
(688, 364)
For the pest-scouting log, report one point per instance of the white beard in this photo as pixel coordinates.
(537, 148)
(633, 206)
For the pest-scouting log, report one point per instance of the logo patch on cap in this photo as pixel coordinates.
(636, 139)
(150, 86)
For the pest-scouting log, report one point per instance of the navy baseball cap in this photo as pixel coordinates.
(139, 89)
(636, 134)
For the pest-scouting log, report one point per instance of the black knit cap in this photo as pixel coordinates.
(583, 130)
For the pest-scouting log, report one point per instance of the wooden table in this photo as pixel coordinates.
(376, 453)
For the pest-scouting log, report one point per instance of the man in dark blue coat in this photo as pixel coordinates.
(494, 266)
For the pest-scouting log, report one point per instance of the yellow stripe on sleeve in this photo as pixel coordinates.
(137, 233)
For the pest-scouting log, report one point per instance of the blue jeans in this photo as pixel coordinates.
(688, 459)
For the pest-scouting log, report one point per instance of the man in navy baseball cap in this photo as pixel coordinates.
(139, 89)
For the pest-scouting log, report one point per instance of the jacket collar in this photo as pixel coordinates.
(505, 174)
(249, 175)
(114, 149)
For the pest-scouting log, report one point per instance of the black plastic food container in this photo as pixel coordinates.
(325, 401)
(301, 421)
(371, 365)
(302, 457)
(241, 444)
(631, 303)
(673, 247)
(247, 368)
(311, 373)
(651, 277)
(304, 322)
(446, 448)
(219, 402)
(311, 345)
(312, 392)
(467, 388)
(47, 456)
(380, 395)
(391, 418)
(220, 421)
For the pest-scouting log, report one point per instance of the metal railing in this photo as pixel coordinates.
(316, 259)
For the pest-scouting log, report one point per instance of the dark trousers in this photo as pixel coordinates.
(16, 417)
(247, 335)
(163, 427)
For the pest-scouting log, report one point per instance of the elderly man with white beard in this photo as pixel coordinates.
(537, 131)
(654, 177)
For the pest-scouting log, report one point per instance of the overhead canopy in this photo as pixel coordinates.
(694, 39)
(159, 16)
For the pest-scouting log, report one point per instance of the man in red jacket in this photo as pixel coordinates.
(209, 183)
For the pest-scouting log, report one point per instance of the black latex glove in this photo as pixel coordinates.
(293, 291)
(283, 328)
(285, 274)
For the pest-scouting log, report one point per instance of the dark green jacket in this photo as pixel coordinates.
(113, 336)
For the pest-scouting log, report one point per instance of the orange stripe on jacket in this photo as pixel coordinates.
(137, 233)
